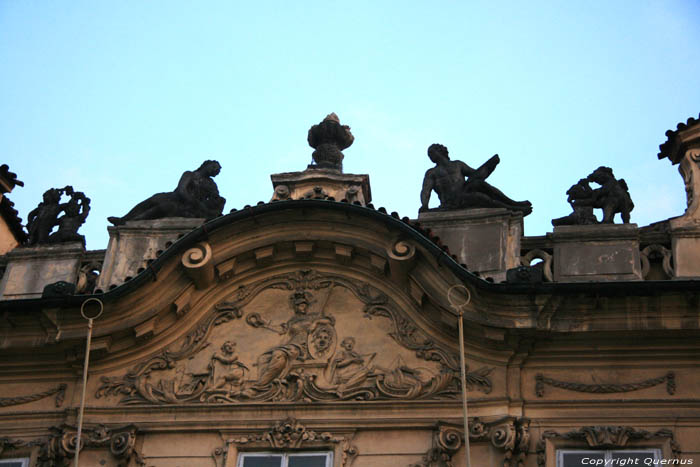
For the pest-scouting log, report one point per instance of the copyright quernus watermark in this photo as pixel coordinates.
(636, 461)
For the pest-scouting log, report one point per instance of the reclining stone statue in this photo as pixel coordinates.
(612, 197)
(42, 219)
(196, 196)
(447, 178)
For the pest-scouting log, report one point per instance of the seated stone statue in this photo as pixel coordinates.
(196, 195)
(447, 178)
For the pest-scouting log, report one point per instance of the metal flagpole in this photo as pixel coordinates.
(85, 369)
(458, 309)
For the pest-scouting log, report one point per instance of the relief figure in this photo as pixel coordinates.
(303, 327)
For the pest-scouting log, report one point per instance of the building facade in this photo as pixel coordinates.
(315, 331)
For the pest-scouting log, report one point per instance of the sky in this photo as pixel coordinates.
(119, 98)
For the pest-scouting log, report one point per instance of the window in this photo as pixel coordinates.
(24, 462)
(617, 458)
(275, 459)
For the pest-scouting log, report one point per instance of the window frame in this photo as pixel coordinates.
(285, 456)
(23, 460)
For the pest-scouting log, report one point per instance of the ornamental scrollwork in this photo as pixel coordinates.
(605, 388)
(606, 437)
(510, 435)
(60, 448)
(309, 359)
(293, 434)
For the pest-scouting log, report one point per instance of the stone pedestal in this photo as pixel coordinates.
(30, 269)
(321, 184)
(133, 245)
(685, 244)
(486, 240)
(604, 252)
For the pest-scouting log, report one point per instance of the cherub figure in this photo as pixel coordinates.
(612, 196)
(347, 368)
(75, 211)
(226, 370)
(42, 219)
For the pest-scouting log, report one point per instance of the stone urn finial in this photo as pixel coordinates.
(329, 138)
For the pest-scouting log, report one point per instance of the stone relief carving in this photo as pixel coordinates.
(59, 390)
(605, 437)
(196, 195)
(612, 197)
(510, 434)
(46, 216)
(606, 388)
(292, 434)
(306, 357)
(447, 179)
(59, 449)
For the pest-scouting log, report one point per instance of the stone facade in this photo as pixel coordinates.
(317, 325)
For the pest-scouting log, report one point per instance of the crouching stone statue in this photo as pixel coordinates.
(447, 178)
(612, 197)
(196, 195)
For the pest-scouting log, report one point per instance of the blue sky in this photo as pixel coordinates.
(119, 98)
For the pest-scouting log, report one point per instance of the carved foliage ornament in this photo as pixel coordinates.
(509, 434)
(605, 437)
(310, 362)
(292, 434)
(606, 388)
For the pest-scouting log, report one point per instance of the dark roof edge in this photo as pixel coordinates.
(404, 225)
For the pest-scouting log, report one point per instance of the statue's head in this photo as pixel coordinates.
(52, 196)
(210, 168)
(348, 343)
(300, 302)
(601, 175)
(438, 152)
(228, 347)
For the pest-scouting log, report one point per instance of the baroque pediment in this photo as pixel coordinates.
(302, 336)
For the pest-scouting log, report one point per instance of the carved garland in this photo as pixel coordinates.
(606, 388)
(605, 437)
(136, 388)
(292, 434)
(59, 390)
(510, 434)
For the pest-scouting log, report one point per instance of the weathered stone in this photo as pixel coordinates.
(486, 240)
(596, 253)
(133, 245)
(321, 184)
(30, 269)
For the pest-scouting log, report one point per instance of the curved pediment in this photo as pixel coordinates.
(299, 336)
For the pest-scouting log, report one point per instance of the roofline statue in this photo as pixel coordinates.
(42, 220)
(196, 196)
(447, 179)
